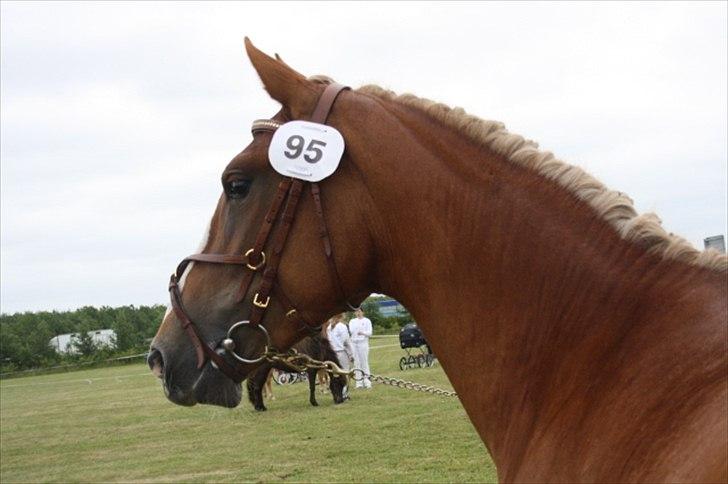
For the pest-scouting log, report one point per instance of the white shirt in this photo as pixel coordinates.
(360, 329)
(338, 336)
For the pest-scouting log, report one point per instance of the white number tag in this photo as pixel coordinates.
(305, 150)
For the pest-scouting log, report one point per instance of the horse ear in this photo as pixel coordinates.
(280, 59)
(284, 84)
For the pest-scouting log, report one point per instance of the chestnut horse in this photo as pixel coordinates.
(590, 344)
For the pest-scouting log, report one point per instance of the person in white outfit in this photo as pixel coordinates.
(338, 335)
(361, 330)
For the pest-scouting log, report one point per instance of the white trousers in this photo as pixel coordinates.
(344, 364)
(361, 361)
(343, 359)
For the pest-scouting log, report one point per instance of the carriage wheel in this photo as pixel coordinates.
(403, 363)
(411, 361)
(421, 361)
(429, 360)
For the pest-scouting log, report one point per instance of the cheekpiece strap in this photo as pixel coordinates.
(326, 101)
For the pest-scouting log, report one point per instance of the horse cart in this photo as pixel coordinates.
(412, 341)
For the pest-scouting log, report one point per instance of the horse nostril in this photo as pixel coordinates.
(156, 362)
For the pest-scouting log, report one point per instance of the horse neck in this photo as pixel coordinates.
(514, 281)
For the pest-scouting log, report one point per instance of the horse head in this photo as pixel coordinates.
(211, 296)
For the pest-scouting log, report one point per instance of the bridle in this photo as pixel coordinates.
(283, 211)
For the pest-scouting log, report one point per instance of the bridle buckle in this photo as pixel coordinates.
(255, 267)
(259, 303)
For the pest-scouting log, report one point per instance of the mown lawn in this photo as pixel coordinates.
(114, 424)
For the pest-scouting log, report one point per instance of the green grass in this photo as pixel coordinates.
(114, 424)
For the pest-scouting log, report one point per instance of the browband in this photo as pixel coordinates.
(265, 125)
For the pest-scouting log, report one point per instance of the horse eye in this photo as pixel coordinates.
(237, 188)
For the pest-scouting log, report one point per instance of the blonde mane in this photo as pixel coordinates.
(614, 207)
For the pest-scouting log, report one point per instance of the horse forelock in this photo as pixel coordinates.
(321, 79)
(614, 207)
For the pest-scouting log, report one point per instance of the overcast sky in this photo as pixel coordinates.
(117, 119)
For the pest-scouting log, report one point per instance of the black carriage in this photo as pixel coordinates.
(411, 338)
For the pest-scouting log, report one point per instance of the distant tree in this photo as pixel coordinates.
(384, 323)
(84, 343)
(126, 335)
(371, 310)
(11, 346)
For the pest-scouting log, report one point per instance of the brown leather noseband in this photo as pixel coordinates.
(255, 259)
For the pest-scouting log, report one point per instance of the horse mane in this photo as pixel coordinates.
(614, 207)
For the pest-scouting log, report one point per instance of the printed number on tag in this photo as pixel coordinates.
(305, 150)
(313, 150)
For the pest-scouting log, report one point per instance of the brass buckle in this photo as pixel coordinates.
(257, 266)
(261, 304)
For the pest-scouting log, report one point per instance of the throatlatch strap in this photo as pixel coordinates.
(326, 239)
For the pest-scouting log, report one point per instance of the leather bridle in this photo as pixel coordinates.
(283, 211)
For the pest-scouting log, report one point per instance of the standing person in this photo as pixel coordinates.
(361, 330)
(338, 336)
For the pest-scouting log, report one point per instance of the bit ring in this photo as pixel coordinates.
(229, 344)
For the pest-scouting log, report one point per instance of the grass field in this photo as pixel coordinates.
(114, 424)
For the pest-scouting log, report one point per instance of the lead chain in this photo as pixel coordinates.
(300, 363)
(418, 387)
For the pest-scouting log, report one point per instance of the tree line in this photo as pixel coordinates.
(25, 337)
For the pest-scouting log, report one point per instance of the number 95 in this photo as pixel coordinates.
(296, 142)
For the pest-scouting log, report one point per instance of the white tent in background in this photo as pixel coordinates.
(63, 343)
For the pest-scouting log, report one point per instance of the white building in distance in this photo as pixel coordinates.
(63, 343)
(716, 242)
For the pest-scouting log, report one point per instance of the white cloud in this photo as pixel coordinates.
(117, 118)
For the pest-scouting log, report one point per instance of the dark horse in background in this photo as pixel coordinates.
(318, 348)
(584, 342)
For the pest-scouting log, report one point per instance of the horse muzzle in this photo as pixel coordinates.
(188, 385)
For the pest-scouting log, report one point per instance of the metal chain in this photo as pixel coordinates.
(300, 362)
(418, 387)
